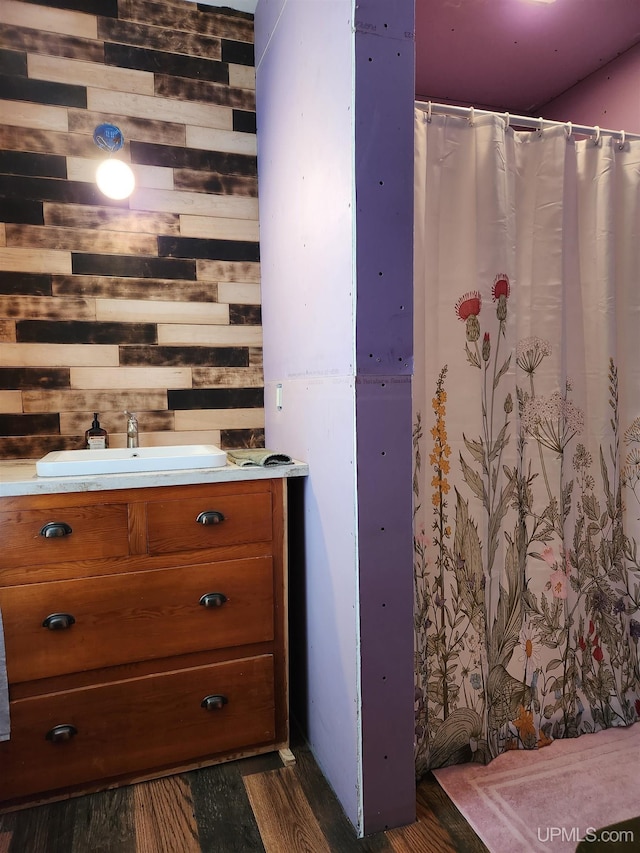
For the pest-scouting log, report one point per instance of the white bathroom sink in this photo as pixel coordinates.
(61, 463)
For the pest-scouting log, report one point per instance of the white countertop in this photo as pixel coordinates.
(18, 477)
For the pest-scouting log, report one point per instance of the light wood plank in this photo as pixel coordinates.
(58, 355)
(7, 330)
(80, 73)
(49, 20)
(199, 204)
(136, 311)
(37, 237)
(3, 234)
(26, 260)
(228, 336)
(107, 219)
(227, 271)
(154, 439)
(206, 419)
(155, 177)
(10, 402)
(163, 816)
(239, 292)
(283, 814)
(242, 76)
(47, 308)
(130, 377)
(232, 141)
(217, 228)
(145, 106)
(36, 116)
(227, 377)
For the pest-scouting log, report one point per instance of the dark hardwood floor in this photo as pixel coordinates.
(255, 804)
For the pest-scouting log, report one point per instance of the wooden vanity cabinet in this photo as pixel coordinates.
(145, 633)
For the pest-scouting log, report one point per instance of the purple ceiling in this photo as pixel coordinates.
(516, 55)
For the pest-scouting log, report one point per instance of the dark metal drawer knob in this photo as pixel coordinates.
(59, 734)
(210, 516)
(54, 529)
(58, 621)
(215, 702)
(213, 599)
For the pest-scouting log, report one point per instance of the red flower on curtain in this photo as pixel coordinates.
(469, 305)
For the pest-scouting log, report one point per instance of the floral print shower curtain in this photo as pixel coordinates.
(526, 437)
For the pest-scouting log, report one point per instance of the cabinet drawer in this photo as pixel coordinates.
(134, 617)
(137, 725)
(94, 531)
(173, 525)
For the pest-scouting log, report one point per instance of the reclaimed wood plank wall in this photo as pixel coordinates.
(150, 304)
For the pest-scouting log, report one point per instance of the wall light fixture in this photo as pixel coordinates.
(114, 177)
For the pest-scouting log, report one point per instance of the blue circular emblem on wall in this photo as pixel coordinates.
(108, 137)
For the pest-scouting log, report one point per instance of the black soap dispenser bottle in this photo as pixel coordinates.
(97, 437)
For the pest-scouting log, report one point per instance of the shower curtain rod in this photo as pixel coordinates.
(524, 121)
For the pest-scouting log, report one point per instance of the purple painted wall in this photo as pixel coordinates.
(608, 98)
(384, 81)
(335, 164)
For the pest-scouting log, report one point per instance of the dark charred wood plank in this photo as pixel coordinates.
(81, 332)
(195, 247)
(110, 287)
(159, 38)
(161, 62)
(215, 398)
(34, 377)
(214, 182)
(205, 20)
(29, 424)
(50, 189)
(175, 157)
(42, 92)
(26, 284)
(204, 92)
(247, 315)
(27, 163)
(93, 7)
(166, 356)
(244, 121)
(51, 44)
(134, 267)
(238, 52)
(242, 438)
(13, 62)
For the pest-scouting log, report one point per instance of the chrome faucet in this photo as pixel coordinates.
(132, 429)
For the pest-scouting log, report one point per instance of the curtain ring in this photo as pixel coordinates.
(506, 121)
(429, 111)
(470, 116)
(596, 141)
(540, 126)
(623, 139)
(568, 129)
